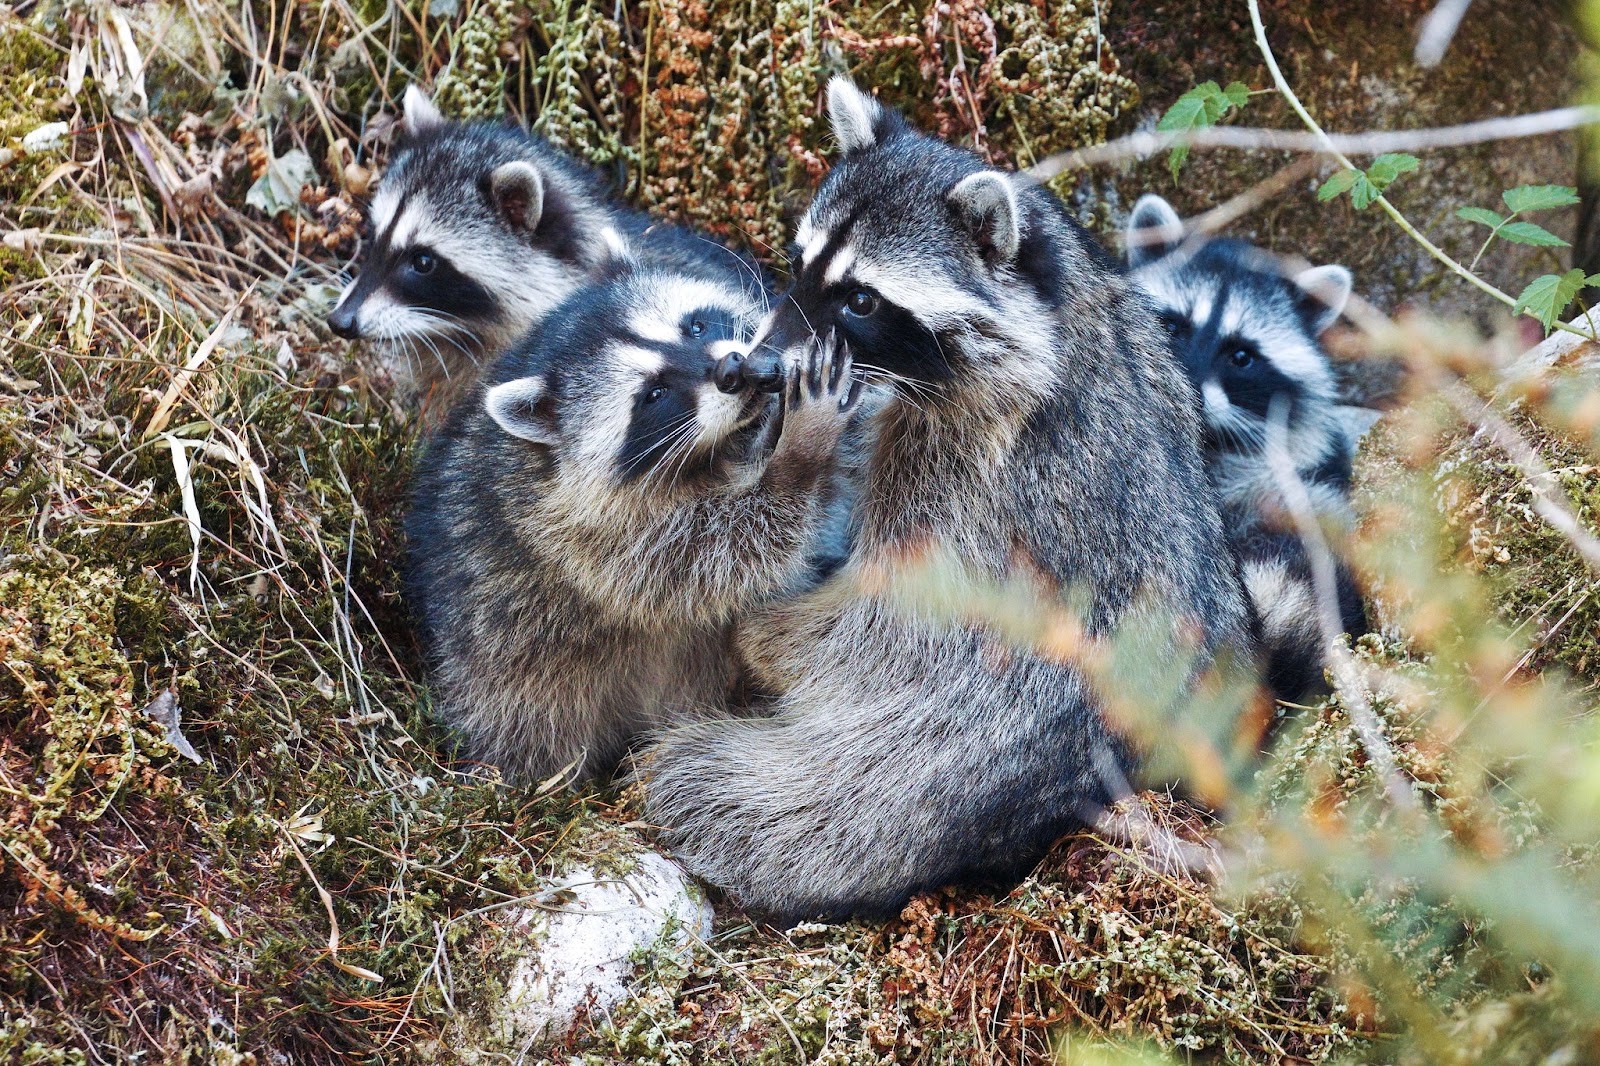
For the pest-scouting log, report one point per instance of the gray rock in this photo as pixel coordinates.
(585, 945)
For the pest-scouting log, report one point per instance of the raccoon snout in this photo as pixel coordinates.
(727, 373)
(738, 371)
(343, 322)
(763, 371)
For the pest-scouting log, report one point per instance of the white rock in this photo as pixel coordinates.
(584, 948)
(47, 138)
(1561, 347)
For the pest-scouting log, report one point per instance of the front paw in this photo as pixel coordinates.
(819, 393)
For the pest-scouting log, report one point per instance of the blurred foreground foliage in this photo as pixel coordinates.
(199, 503)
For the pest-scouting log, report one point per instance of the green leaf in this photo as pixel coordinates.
(1394, 164)
(1186, 112)
(1196, 109)
(1364, 192)
(1479, 214)
(1528, 233)
(1339, 182)
(1548, 295)
(1539, 197)
(1389, 166)
(1175, 159)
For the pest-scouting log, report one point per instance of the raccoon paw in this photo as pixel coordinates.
(819, 393)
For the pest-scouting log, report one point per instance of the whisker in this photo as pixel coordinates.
(672, 429)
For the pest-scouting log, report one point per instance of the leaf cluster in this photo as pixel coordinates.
(1366, 186)
(1201, 107)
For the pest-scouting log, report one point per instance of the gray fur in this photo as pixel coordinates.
(1032, 426)
(575, 590)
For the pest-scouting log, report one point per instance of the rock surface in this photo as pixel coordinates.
(587, 945)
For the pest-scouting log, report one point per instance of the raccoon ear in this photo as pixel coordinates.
(419, 112)
(1154, 229)
(524, 407)
(614, 259)
(858, 120)
(518, 192)
(987, 205)
(1329, 288)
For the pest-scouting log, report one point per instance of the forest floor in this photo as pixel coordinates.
(229, 832)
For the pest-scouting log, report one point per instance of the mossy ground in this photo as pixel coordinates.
(228, 532)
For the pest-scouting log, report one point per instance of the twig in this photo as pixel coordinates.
(1438, 30)
(1346, 674)
(333, 920)
(1197, 230)
(1143, 145)
(1525, 457)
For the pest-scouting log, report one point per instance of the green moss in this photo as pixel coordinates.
(1542, 589)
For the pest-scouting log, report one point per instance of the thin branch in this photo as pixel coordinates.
(1346, 673)
(1143, 145)
(1199, 229)
(1550, 506)
(1438, 30)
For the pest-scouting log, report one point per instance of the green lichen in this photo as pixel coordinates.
(474, 84)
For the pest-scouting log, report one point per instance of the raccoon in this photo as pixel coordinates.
(1247, 336)
(1032, 426)
(582, 533)
(478, 230)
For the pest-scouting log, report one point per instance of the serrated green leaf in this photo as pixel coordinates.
(1364, 192)
(1339, 182)
(1238, 93)
(1189, 110)
(1390, 166)
(1528, 233)
(1592, 281)
(1175, 159)
(1539, 197)
(1196, 109)
(1479, 214)
(1396, 162)
(1548, 295)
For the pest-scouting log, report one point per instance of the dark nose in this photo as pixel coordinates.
(343, 321)
(738, 371)
(727, 374)
(763, 371)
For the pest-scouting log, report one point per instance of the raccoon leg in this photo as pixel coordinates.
(773, 643)
(740, 547)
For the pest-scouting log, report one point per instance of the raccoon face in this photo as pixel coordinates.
(1245, 334)
(474, 235)
(910, 249)
(618, 383)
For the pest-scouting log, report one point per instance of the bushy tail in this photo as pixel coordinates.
(855, 796)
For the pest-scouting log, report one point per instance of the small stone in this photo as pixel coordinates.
(586, 946)
(50, 137)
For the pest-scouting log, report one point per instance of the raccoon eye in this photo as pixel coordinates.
(655, 394)
(861, 303)
(423, 262)
(1242, 356)
(697, 328)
